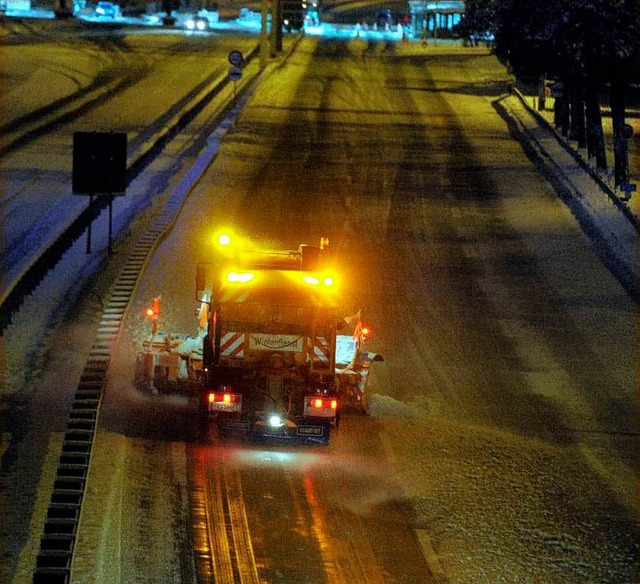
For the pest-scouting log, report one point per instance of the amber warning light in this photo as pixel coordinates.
(153, 311)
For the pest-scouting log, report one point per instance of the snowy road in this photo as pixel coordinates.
(501, 445)
(84, 81)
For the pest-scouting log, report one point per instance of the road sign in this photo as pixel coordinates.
(236, 59)
(99, 163)
(627, 189)
(235, 73)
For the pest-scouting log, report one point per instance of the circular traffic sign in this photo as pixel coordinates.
(236, 58)
(235, 73)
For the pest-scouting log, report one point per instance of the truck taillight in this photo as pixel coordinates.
(225, 401)
(225, 398)
(322, 403)
(320, 407)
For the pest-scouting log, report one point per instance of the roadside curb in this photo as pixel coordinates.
(602, 218)
(579, 159)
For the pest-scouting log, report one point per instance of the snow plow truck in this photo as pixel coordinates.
(273, 358)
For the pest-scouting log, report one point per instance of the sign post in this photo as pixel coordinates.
(90, 224)
(627, 189)
(264, 41)
(235, 71)
(99, 168)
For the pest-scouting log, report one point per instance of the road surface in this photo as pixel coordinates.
(501, 440)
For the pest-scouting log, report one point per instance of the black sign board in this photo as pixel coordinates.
(99, 163)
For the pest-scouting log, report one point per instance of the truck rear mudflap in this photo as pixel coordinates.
(274, 429)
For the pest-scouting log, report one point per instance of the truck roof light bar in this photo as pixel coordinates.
(240, 277)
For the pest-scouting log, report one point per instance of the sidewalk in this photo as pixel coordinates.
(633, 119)
(609, 222)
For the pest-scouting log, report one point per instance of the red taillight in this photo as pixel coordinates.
(322, 403)
(227, 398)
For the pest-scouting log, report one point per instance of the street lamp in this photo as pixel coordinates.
(435, 22)
(264, 40)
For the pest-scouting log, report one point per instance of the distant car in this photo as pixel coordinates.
(107, 10)
(197, 23)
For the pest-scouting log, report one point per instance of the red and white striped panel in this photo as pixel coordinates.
(234, 295)
(232, 345)
(321, 349)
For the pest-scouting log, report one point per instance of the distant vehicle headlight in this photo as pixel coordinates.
(201, 25)
(191, 24)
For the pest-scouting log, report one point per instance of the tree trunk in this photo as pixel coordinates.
(595, 135)
(542, 95)
(617, 98)
(562, 111)
(565, 116)
(578, 128)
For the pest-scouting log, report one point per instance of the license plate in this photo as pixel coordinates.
(310, 430)
(224, 407)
